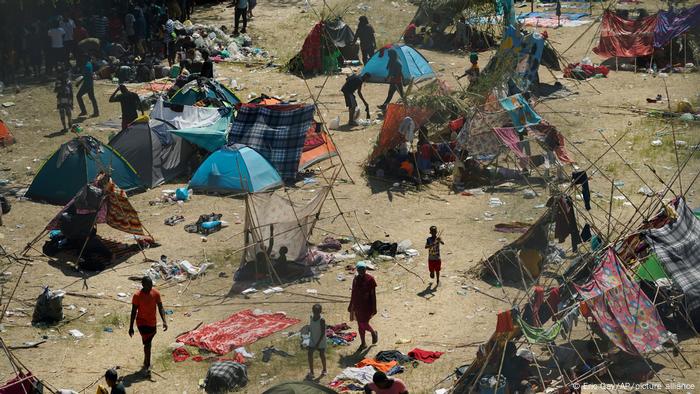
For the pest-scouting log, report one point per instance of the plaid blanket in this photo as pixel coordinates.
(275, 132)
(677, 247)
(224, 376)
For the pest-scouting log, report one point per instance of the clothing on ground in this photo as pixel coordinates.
(425, 356)
(392, 355)
(383, 366)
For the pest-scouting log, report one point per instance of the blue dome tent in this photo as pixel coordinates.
(77, 163)
(233, 169)
(415, 67)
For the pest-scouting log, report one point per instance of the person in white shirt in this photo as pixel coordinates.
(57, 50)
(68, 26)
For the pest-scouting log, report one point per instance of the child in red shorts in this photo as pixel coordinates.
(433, 245)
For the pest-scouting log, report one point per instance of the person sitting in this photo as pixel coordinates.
(409, 35)
(383, 384)
(473, 72)
(111, 378)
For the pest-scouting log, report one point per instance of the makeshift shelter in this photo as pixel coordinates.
(187, 116)
(389, 136)
(6, 137)
(305, 387)
(414, 66)
(276, 235)
(325, 47)
(277, 132)
(210, 137)
(204, 89)
(235, 169)
(156, 154)
(77, 163)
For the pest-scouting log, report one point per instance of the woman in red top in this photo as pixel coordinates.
(363, 303)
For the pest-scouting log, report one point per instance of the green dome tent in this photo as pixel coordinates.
(204, 88)
(76, 163)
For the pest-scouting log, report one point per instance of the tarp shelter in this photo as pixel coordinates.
(204, 88)
(156, 154)
(327, 42)
(305, 387)
(277, 132)
(671, 24)
(187, 116)
(274, 221)
(389, 137)
(414, 66)
(624, 37)
(75, 164)
(318, 146)
(235, 169)
(210, 137)
(115, 210)
(6, 137)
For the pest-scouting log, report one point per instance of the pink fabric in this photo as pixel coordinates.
(621, 308)
(237, 330)
(510, 137)
(425, 356)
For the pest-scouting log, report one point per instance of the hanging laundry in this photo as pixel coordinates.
(581, 178)
(520, 112)
(565, 220)
(538, 334)
(586, 233)
(511, 139)
(569, 321)
(504, 322)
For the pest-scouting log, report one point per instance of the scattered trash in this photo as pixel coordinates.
(645, 190)
(121, 295)
(681, 143)
(340, 277)
(76, 334)
(495, 202)
(402, 341)
(687, 117)
(273, 290)
(397, 288)
(108, 329)
(8, 104)
(656, 143)
(529, 194)
(312, 291)
(618, 183)
(250, 290)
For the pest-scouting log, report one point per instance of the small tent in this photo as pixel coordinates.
(327, 43)
(235, 169)
(5, 137)
(415, 67)
(76, 163)
(156, 154)
(210, 137)
(318, 146)
(202, 89)
(187, 116)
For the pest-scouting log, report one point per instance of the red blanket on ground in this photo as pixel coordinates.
(237, 330)
(425, 356)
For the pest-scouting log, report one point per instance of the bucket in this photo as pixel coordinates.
(486, 387)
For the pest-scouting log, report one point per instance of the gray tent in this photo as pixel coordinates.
(156, 154)
(299, 388)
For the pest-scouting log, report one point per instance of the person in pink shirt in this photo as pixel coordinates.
(382, 384)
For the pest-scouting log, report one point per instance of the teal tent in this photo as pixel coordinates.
(413, 65)
(77, 163)
(210, 137)
(305, 387)
(203, 88)
(234, 169)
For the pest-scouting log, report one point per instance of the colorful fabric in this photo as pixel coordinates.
(622, 310)
(504, 322)
(318, 146)
(520, 112)
(276, 132)
(484, 143)
(389, 137)
(624, 37)
(425, 356)
(552, 139)
(311, 50)
(677, 248)
(538, 334)
(671, 24)
(378, 365)
(120, 214)
(650, 270)
(509, 137)
(240, 329)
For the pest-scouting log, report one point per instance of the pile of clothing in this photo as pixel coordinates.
(340, 335)
(582, 71)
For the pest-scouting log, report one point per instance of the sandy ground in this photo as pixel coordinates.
(449, 320)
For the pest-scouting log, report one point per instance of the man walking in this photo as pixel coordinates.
(87, 86)
(143, 310)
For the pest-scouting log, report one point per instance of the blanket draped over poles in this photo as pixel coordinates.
(520, 112)
(311, 50)
(621, 309)
(115, 210)
(239, 329)
(626, 38)
(389, 137)
(276, 131)
(539, 334)
(672, 24)
(677, 247)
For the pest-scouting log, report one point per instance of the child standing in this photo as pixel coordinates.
(318, 341)
(433, 245)
(64, 100)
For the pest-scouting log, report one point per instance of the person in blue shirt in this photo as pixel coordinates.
(241, 12)
(87, 86)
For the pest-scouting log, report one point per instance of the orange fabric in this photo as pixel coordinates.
(585, 310)
(317, 147)
(121, 215)
(378, 365)
(504, 322)
(389, 137)
(5, 137)
(408, 167)
(147, 304)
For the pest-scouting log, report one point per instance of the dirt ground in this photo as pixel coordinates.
(450, 319)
